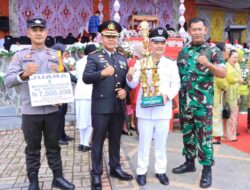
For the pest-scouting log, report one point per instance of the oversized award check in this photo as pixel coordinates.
(50, 89)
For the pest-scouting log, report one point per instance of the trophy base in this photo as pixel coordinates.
(152, 101)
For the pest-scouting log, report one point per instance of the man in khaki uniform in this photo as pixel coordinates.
(39, 121)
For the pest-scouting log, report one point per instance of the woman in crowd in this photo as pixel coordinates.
(131, 99)
(234, 79)
(83, 94)
(220, 85)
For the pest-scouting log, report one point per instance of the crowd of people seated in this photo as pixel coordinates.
(50, 40)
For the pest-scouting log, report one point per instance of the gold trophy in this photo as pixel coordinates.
(150, 88)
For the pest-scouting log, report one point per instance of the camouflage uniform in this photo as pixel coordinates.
(196, 100)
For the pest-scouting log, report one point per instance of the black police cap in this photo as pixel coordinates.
(36, 22)
(110, 27)
(158, 34)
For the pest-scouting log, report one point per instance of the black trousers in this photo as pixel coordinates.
(62, 113)
(34, 127)
(103, 124)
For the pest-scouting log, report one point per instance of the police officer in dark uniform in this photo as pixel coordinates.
(106, 70)
(38, 121)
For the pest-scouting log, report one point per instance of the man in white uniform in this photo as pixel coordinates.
(154, 121)
(83, 94)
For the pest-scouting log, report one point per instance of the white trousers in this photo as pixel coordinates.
(85, 135)
(148, 129)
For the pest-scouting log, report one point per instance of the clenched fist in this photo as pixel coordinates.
(130, 73)
(30, 69)
(202, 59)
(108, 71)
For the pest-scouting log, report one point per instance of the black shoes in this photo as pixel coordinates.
(128, 133)
(163, 179)
(65, 139)
(96, 183)
(68, 138)
(33, 178)
(83, 148)
(118, 173)
(62, 183)
(217, 142)
(206, 177)
(63, 142)
(188, 166)
(141, 180)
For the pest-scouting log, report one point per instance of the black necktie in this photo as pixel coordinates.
(112, 57)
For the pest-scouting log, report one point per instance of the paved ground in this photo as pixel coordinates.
(232, 169)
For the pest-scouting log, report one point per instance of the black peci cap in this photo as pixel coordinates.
(90, 48)
(59, 47)
(110, 28)
(158, 34)
(36, 22)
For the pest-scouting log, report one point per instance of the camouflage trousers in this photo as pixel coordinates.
(196, 127)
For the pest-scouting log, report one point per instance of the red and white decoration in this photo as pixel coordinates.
(182, 9)
(116, 8)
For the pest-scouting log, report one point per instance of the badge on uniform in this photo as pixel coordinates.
(123, 64)
(27, 56)
(103, 60)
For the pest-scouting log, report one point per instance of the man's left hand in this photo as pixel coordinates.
(121, 93)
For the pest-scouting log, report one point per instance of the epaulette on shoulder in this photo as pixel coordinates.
(98, 51)
(170, 58)
(53, 50)
(25, 49)
(120, 53)
(22, 50)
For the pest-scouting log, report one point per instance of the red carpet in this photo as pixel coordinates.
(243, 143)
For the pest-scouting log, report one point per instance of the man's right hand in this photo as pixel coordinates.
(130, 73)
(30, 69)
(108, 71)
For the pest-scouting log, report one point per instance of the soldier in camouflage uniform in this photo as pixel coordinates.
(198, 63)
